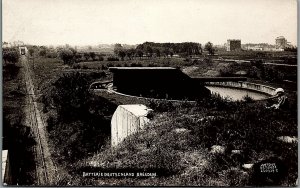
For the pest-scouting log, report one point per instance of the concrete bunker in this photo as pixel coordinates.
(157, 82)
(127, 120)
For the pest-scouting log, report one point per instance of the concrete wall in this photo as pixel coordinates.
(144, 98)
(127, 120)
(6, 171)
(246, 85)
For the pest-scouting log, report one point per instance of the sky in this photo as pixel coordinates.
(91, 22)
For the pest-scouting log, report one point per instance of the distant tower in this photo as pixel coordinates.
(280, 42)
(233, 45)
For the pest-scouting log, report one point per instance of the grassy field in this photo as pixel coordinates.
(183, 157)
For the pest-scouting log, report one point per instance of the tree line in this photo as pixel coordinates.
(152, 49)
(146, 50)
(10, 55)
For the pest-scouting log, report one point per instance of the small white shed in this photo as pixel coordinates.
(127, 120)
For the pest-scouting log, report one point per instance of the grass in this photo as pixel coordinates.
(183, 158)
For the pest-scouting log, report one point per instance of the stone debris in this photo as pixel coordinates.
(210, 118)
(217, 149)
(288, 139)
(247, 166)
(237, 151)
(181, 130)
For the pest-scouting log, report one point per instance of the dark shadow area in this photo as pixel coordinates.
(157, 82)
(19, 142)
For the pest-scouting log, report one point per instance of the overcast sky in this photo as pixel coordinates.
(81, 22)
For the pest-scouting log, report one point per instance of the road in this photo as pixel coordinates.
(45, 169)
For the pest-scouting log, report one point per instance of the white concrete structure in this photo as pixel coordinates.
(127, 120)
(6, 173)
(23, 50)
(245, 85)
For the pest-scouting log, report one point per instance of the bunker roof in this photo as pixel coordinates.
(136, 109)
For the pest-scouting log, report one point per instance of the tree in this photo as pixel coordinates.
(11, 55)
(117, 49)
(139, 53)
(130, 53)
(70, 95)
(86, 56)
(93, 55)
(31, 51)
(122, 54)
(67, 55)
(157, 52)
(100, 58)
(149, 51)
(166, 52)
(43, 52)
(209, 47)
(78, 57)
(171, 53)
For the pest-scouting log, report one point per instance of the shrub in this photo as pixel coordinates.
(81, 116)
(67, 55)
(100, 58)
(10, 55)
(103, 67)
(112, 59)
(161, 105)
(76, 66)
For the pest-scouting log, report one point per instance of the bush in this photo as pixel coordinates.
(67, 55)
(100, 58)
(103, 67)
(161, 105)
(136, 65)
(81, 116)
(51, 55)
(76, 66)
(10, 55)
(112, 59)
(85, 67)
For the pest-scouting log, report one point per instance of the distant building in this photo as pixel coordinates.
(233, 45)
(23, 50)
(280, 42)
(261, 47)
(255, 48)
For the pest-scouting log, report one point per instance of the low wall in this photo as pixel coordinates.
(145, 98)
(245, 85)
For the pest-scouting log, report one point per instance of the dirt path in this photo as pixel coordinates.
(45, 169)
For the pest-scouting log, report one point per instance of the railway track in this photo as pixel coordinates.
(45, 169)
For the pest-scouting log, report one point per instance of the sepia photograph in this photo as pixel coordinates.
(149, 93)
